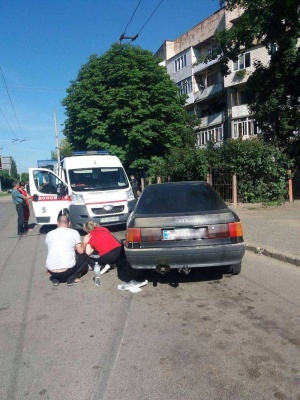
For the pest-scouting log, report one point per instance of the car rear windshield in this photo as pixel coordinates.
(173, 198)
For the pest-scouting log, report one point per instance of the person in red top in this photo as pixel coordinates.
(102, 247)
(26, 210)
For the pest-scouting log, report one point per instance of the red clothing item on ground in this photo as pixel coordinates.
(103, 241)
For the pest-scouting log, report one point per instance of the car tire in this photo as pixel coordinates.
(133, 273)
(235, 269)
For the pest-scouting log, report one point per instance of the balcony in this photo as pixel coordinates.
(208, 91)
(211, 120)
(203, 66)
(240, 111)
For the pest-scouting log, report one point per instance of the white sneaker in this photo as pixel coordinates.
(104, 269)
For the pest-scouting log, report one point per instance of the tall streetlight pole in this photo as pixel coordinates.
(56, 137)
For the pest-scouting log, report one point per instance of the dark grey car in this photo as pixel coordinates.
(183, 225)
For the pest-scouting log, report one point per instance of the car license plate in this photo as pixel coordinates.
(109, 219)
(181, 234)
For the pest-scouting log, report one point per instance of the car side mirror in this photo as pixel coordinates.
(35, 197)
(61, 189)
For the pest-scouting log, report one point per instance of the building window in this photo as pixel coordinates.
(243, 128)
(211, 50)
(180, 63)
(244, 61)
(214, 134)
(185, 86)
(212, 79)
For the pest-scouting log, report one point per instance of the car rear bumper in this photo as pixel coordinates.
(192, 257)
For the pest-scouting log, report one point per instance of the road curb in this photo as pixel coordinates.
(278, 256)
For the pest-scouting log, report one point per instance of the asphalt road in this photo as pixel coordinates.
(205, 336)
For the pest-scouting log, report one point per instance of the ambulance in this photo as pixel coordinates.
(89, 186)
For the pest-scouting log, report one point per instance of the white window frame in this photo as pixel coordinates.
(244, 127)
(242, 60)
(215, 133)
(180, 63)
(185, 86)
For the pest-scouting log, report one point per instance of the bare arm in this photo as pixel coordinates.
(80, 247)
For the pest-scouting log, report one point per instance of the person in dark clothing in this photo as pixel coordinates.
(26, 209)
(18, 200)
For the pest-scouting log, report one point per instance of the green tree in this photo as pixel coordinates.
(261, 169)
(125, 102)
(273, 89)
(65, 150)
(24, 176)
(14, 171)
(6, 180)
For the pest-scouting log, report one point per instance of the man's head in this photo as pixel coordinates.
(63, 221)
(22, 185)
(16, 184)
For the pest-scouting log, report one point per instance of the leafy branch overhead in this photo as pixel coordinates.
(125, 102)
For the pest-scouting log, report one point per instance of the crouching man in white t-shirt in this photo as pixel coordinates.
(63, 262)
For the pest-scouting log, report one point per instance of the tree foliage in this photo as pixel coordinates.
(65, 150)
(273, 89)
(261, 168)
(125, 102)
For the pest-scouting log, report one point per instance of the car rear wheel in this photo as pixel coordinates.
(133, 273)
(235, 269)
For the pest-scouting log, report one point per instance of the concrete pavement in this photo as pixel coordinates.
(273, 231)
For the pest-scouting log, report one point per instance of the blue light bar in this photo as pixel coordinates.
(90, 152)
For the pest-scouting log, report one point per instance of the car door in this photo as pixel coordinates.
(49, 195)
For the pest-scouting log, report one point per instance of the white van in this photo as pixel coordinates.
(90, 185)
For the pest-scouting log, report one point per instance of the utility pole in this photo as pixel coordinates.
(56, 137)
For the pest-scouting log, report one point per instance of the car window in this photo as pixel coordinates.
(172, 198)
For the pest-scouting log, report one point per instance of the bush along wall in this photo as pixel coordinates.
(261, 169)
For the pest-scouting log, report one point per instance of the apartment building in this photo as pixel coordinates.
(218, 101)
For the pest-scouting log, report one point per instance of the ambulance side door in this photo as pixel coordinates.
(49, 195)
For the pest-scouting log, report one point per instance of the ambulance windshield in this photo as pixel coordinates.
(93, 179)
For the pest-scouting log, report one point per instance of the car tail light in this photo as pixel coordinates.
(133, 235)
(235, 229)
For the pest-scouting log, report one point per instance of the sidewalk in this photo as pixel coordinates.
(272, 230)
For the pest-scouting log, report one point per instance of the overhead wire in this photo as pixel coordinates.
(11, 102)
(132, 16)
(150, 17)
(134, 37)
(9, 124)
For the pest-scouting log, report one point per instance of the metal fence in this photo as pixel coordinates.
(221, 180)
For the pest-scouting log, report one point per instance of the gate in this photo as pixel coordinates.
(221, 181)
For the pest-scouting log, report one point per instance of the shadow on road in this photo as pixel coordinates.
(173, 278)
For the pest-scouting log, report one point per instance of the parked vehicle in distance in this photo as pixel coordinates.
(90, 185)
(183, 225)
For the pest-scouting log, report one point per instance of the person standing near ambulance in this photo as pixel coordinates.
(18, 200)
(26, 210)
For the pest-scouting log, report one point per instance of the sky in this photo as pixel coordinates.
(44, 43)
